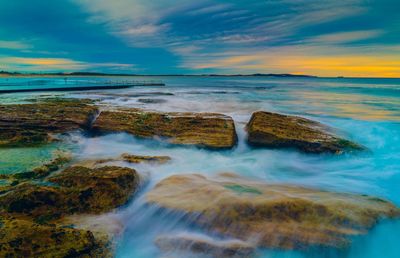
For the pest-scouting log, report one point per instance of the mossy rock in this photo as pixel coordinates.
(144, 159)
(21, 237)
(74, 190)
(214, 131)
(33, 124)
(274, 130)
(275, 215)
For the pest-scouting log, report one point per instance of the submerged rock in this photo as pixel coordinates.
(267, 129)
(21, 237)
(193, 243)
(202, 129)
(281, 216)
(75, 190)
(130, 158)
(146, 159)
(152, 101)
(60, 159)
(31, 124)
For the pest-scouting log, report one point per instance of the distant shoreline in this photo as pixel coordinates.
(4, 74)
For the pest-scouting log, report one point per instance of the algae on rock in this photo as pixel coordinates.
(274, 130)
(283, 216)
(35, 123)
(209, 130)
(21, 237)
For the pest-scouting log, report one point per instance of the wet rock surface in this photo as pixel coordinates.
(280, 216)
(209, 130)
(32, 213)
(32, 124)
(199, 244)
(75, 190)
(144, 159)
(98, 190)
(125, 157)
(152, 101)
(274, 130)
(21, 237)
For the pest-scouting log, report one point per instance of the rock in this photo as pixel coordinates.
(130, 158)
(282, 216)
(209, 130)
(200, 244)
(147, 159)
(20, 237)
(77, 190)
(273, 130)
(33, 216)
(32, 124)
(98, 190)
(152, 101)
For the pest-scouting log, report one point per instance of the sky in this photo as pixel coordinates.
(359, 38)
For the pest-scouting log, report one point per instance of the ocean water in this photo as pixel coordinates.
(366, 111)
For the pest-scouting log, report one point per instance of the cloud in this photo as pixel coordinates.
(308, 60)
(24, 64)
(14, 45)
(196, 36)
(345, 37)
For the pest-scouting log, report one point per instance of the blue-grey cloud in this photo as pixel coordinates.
(183, 36)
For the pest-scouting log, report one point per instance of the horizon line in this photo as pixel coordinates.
(281, 75)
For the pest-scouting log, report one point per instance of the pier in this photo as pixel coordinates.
(68, 84)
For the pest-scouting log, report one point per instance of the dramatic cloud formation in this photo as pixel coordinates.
(326, 38)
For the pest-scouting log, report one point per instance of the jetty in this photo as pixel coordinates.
(67, 84)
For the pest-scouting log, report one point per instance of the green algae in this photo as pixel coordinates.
(240, 189)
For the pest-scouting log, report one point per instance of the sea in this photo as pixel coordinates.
(364, 110)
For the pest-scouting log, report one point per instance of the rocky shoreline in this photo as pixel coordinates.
(35, 205)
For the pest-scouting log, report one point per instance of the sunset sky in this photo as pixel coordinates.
(324, 38)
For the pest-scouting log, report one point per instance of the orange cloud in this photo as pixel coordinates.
(340, 65)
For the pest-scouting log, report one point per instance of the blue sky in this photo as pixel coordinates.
(326, 38)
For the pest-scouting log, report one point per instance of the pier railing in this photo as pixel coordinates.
(76, 82)
(69, 84)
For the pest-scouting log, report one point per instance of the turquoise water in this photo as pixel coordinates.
(364, 110)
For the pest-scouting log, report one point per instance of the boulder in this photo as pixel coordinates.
(277, 215)
(32, 124)
(21, 237)
(200, 244)
(100, 189)
(74, 190)
(209, 130)
(273, 130)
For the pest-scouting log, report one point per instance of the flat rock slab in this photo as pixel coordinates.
(209, 130)
(201, 244)
(30, 124)
(274, 130)
(282, 216)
